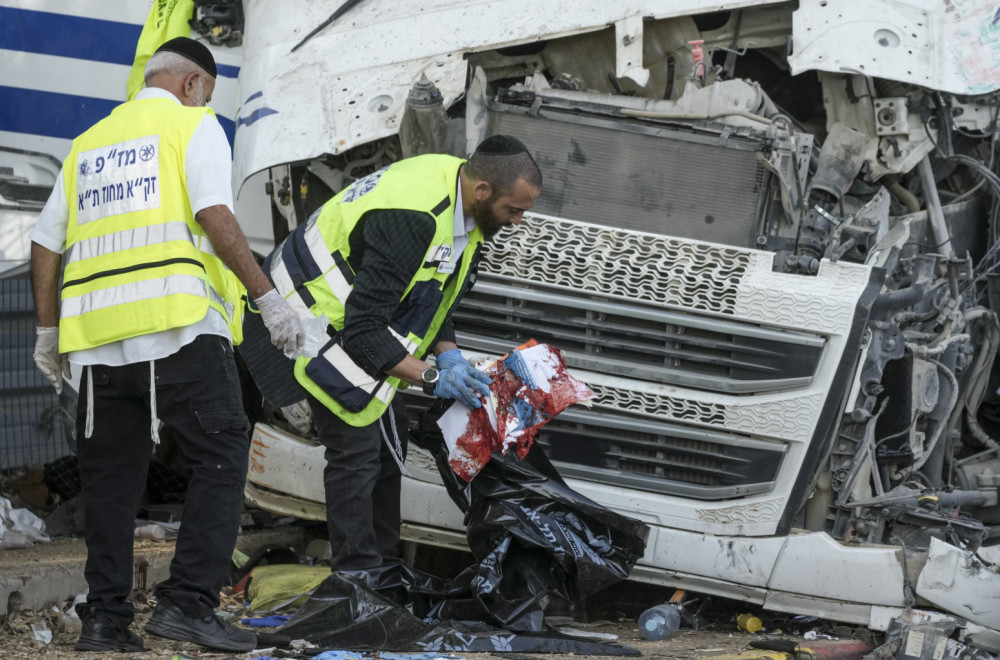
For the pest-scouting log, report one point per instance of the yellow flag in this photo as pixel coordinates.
(167, 19)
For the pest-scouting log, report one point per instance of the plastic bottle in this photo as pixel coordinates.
(659, 622)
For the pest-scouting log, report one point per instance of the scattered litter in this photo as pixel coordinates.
(337, 655)
(274, 586)
(319, 550)
(79, 598)
(41, 632)
(239, 558)
(419, 656)
(225, 615)
(301, 644)
(272, 621)
(573, 632)
(153, 532)
(19, 528)
(749, 623)
(812, 635)
(69, 624)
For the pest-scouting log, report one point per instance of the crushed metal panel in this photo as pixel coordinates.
(834, 610)
(745, 561)
(664, 182)
(958, 582)
(949, 46)
(848, 572)
(356, 73)
(282, 462)
(418, 506)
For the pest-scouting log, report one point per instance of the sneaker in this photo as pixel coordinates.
(99, 635)
(210, 631)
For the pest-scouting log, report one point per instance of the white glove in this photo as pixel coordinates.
(53, 364)
(282, 322)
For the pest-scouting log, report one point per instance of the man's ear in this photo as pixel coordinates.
(189, 85)
(482, 191)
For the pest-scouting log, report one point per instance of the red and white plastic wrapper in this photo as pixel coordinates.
(531, 385)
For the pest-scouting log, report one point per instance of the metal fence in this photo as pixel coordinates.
(32, 428)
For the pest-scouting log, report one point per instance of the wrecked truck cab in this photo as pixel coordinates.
(767, 241)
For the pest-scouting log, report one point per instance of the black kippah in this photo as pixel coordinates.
(193, 50)
(501, 145)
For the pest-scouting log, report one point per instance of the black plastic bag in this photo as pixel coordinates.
(540, 549)
(346, 612)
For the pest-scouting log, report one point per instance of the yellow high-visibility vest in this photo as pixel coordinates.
(136, 261)
(311, 270)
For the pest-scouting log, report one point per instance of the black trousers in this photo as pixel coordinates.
(362, 482)
(198, 396)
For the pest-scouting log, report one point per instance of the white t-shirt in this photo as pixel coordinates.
(460, 230)
(208, 168)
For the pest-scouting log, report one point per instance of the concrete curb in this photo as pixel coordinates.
(49, 574)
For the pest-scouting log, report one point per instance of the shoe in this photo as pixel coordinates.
(210, 631)
(106, 636)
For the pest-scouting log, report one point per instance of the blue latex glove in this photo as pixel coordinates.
(449, 359)
(462, 381)
(267, 621)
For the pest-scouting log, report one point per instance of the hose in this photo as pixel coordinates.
(943, 423)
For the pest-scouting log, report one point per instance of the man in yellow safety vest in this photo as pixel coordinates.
(385, 261)
(153, 264)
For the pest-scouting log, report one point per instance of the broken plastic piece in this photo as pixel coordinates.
(154, 532)
(699, 58)
(41, 633)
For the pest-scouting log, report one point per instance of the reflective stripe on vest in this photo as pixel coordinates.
(136, 261)
(310, 268)
(127, 239)
(160, 287)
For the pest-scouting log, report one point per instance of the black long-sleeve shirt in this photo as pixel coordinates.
(387, 249)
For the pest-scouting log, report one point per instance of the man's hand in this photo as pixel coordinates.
(462, 381)
(53, 364)
(282, 322)
(449, 359)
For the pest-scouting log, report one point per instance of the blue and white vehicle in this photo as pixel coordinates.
(768, 240)
(65, 67)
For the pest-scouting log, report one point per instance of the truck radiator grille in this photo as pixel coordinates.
(617, 263)
(662, 458)
(648, 344)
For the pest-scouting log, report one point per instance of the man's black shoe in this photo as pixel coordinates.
(106, 636)
(210, 631)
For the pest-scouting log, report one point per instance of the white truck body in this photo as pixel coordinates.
(789, 344)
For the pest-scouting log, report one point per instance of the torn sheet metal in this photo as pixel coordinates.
(960, 582)
(357, 72)
(949, 46)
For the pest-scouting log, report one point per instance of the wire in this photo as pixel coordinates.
(896, 435)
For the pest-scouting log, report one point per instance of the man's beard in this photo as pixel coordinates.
(486, 219)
